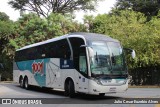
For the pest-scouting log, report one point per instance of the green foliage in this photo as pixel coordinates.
(4, 17)
(88, 22)
(6, 30)
(31, 29)
(134, 32)
(131, 28)
(148, 7)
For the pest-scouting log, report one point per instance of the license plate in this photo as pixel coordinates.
(112, 89)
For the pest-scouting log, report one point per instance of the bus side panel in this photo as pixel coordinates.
(68, 71)
(53, 73)
(58, 70)
(17, 73)
(35, 70)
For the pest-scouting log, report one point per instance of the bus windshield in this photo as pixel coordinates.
(108, 58)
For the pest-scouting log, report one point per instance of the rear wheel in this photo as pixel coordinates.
(26, 85)
(21, 82)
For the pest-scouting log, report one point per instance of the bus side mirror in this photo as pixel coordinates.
(91, 52)
(133, 54)
(1, 66)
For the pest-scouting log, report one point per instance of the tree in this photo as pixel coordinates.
(4, 17)
(45, 7)
(88, 22)
(6, 30)
(31, 29)
(6, 53)
(133, 31)
(148, 7)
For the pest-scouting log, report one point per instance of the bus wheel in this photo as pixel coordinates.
(26, 85)
(21, 82)
(66, 88)
(71, 89)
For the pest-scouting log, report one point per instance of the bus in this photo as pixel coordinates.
(78, 62)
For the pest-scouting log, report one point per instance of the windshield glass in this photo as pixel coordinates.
(108, 58)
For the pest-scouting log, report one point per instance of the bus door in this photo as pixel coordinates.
(79, 62)
(83, 71)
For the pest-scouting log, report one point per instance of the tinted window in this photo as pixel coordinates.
(57, 49)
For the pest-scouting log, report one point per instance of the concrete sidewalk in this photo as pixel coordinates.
(144, 86)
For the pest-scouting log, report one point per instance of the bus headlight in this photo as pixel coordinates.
(110, 81)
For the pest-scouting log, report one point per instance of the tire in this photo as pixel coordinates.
(71, 87)
(66, 92)
(21, 82)
(26, 85)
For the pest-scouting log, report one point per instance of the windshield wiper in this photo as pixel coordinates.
(96, 57)
(113, 59)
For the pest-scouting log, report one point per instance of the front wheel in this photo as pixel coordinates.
(72, 93)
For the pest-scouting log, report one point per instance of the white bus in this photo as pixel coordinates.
(76, 63)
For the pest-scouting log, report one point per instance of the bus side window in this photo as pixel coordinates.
(63, 49)
(21, 55)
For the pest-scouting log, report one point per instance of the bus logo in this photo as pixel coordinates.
(37, 67)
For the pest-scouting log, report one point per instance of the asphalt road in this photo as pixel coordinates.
(12, 90)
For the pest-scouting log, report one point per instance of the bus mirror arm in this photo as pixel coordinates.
(83, 46)
(90, 50)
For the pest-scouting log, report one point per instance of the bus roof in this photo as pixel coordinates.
(94, 36)
(87, 36)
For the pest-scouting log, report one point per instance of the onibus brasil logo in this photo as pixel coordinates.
(37, 67)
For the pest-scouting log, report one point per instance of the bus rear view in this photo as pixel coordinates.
(89, 63)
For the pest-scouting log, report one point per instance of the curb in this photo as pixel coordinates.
(143, 86)
(6, 82)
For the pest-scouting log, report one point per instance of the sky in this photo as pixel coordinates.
(103, 7)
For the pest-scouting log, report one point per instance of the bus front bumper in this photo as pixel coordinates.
(96, 89)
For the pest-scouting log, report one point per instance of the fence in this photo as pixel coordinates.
(145, 76)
